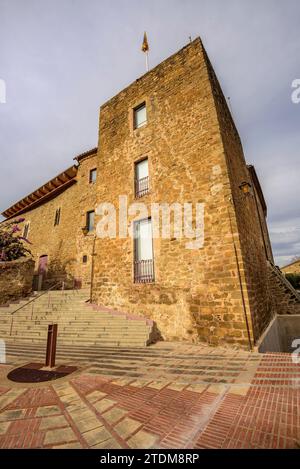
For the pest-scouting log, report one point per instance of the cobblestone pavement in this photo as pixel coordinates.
(181, 396)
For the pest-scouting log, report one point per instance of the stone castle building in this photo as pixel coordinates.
(167, 138)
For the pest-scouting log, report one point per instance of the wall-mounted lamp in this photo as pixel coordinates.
(246, 188)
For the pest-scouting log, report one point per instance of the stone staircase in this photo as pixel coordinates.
(286, 300)
(79, 322)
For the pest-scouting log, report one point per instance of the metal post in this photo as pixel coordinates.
(92, 268)
(32, 311)
(51, 345)
(11, 325)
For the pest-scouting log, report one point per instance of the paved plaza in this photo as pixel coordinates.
(170, 395)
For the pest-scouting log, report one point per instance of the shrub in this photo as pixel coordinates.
(294, 280)
(12, 245)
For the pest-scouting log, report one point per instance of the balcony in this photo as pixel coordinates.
(144, 271)
(141, 186)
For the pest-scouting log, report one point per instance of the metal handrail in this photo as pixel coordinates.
(284, 280)
(37, 297)
(32, 301)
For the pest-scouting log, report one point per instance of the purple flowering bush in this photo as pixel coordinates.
(12, 245)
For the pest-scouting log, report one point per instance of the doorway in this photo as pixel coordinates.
(42, 270)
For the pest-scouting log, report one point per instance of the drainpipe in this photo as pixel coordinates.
(240, 283)
(92, 267)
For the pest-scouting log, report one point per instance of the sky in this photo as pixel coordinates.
(62, 59)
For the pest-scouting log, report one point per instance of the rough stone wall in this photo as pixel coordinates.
(248, 230)
(15, 279)
(65, 244)
(197, 293)
(263, 224)
(87, 201)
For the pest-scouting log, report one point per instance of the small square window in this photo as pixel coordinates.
(90, 220)
(84, 259)
(140, 116)
(93, 176)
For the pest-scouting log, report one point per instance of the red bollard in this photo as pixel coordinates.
(51, 345)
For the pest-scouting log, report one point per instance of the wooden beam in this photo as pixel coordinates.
(61, 181)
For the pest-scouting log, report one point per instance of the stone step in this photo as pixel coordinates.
(79, 323)
(69, 319)
(80, 333)
(76, 326)
(79, 330)
(20, 347)
(103, 342)
(78, 310)
(73, 310)
(73, 315)
(69, 325)
(94, 322)
(45, 303)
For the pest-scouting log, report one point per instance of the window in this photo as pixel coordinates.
(57, 217)
(90, 220)
(84, 259)
(140, 116)
(143, 252)
(93, 176)
(141, 178)
(26, 230)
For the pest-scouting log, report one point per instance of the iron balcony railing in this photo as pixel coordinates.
(144, 271)
(141, 186)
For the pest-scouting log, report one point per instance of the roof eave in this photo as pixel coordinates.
(49, 189)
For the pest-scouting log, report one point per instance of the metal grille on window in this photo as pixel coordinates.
(143, 261)
(142, 178)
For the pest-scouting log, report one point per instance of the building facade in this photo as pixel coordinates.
(166, 139)
(55, 223)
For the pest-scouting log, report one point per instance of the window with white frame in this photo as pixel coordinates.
(90, 220)
(93, 176)
(141, 177)
(140, 116)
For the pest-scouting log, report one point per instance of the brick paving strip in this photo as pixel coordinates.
(194, 363)
(255, 406)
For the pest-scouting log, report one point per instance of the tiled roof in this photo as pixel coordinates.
(86, 154)
(48, 190)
